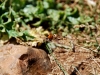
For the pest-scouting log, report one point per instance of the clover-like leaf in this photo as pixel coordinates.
(12, 33)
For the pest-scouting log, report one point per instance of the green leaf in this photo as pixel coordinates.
(26, 36)
(3, 5)
(17, 4)
(37, 23)
(40, 7)
(15, 15)
(10, 25)
(72, 12)
(28, 12)
(2, 28)
(45, 4)
(59, 5)
(68, 11)
(29, 9)
(73, 20)
(85, 19)
(52, 3)
(12, 33)
(54, 14)
(5, 16)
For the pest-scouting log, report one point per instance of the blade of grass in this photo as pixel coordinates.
(76, 70)
(57, 62)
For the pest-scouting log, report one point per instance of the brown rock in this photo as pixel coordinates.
(21, 60)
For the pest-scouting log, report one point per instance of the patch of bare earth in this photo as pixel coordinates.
(80, 61)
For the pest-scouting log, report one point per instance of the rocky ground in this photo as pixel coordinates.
(69, 57)
(79, 60)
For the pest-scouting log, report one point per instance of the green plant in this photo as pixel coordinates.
(16, 14)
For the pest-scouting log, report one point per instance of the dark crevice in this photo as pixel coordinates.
(77, 67)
